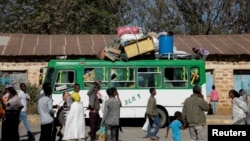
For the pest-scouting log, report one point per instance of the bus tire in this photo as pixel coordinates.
(163, 115)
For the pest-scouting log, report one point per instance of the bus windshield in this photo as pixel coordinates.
(49, 75)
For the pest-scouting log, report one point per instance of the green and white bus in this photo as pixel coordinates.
(173, 80)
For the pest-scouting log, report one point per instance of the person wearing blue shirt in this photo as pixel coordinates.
(176, 127)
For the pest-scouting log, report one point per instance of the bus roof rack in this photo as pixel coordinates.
(174, 56)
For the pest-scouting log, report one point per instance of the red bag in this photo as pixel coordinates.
(127, 30)
(101, 54)
(2, 112)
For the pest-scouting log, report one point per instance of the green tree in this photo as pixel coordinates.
(193, 17)
(34, 91)
(60, 16)
(104, 16)
(152, 15)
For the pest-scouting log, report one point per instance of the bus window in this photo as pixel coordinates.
(65, 80)
(149, 77)
(176, 77)
(122, 77)
(194, 76)
(95, 74)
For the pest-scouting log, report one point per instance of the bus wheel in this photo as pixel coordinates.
(163, 116)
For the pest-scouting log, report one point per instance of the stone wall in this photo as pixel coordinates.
(32, 69)
(223, 73)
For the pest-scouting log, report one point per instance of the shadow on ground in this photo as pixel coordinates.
(25, 137)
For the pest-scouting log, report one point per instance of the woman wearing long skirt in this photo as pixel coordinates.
(75, 123)
(13, 109)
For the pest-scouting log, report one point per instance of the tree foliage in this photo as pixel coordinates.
(212, 16)
(191, 17)
(34, 91)
(59, 16)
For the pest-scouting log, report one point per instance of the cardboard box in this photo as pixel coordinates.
(141, 46)
(113, 50)
(110, 56)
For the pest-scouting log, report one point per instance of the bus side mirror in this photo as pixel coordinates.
(41, 77)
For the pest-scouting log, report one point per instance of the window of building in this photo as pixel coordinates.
(242, 80)
(13, 77)
(209, 81)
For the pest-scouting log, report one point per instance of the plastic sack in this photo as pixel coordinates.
(102, 134)
(128, 37)
(102, 138)
(156, 43)
(127, 30)
(145, 126)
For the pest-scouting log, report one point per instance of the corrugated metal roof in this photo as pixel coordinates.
(4, 40)
(39, 45)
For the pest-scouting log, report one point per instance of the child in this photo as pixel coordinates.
(67, 101)
(210, 111)
(176, 125)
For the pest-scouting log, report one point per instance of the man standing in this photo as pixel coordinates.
(152, 114)
(46, 113)
(94, 107)
(23, 114)
(111, 115)
(194, 116)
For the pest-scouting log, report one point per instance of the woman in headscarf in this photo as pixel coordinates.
(75, 121)
(63, 112)
(239, 108)
(13, 109)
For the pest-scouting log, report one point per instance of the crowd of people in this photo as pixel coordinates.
(73, 124)
(14, 104)
(192, 117)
